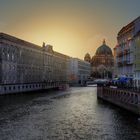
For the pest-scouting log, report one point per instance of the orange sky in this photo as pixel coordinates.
(73, 27)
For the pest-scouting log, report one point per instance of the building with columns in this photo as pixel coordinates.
(102, 62)
(25, 66)
(137, 52)
(127, 51)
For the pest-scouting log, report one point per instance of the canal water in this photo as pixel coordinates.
(75, 114)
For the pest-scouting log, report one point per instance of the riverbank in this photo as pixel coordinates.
(128, 100)
(64, 115)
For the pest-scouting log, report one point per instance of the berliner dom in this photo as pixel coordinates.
(102, 62)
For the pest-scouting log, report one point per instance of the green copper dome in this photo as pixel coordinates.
(87, 55)
(104, 50)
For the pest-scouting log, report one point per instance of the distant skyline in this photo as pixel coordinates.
(73, 27)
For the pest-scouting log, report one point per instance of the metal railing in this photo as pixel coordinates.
(122, 86)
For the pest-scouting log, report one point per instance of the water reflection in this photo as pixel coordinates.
(72, 115)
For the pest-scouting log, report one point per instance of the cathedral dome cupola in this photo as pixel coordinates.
(104, 49)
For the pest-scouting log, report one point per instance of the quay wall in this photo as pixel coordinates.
(128, 100)
(28, 87)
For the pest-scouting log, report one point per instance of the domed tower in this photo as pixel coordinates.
(87, 57)
(104, 49)
(102, 61)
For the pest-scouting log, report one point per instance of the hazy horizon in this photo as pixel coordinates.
(73, 27)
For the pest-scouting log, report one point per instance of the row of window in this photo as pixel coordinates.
(23, 87)
(9, 88)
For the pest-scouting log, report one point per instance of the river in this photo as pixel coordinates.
(75, 114)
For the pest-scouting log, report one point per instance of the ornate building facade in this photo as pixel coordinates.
(25, 66)
(102, 62)
(127, 60)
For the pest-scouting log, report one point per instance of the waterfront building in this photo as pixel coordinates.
(127, 51)
(102, 62)
(80, 71)
(137, 52)
(137, 59)
(25, 66)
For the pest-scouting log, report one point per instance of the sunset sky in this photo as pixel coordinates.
(73, 27)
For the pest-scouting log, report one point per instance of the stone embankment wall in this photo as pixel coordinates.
(21, 88)
(123, 98)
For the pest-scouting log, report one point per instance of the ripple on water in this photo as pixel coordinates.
(72, 115)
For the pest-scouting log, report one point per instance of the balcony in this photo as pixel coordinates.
(120, 64)
(124, 63)
(127, 62)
